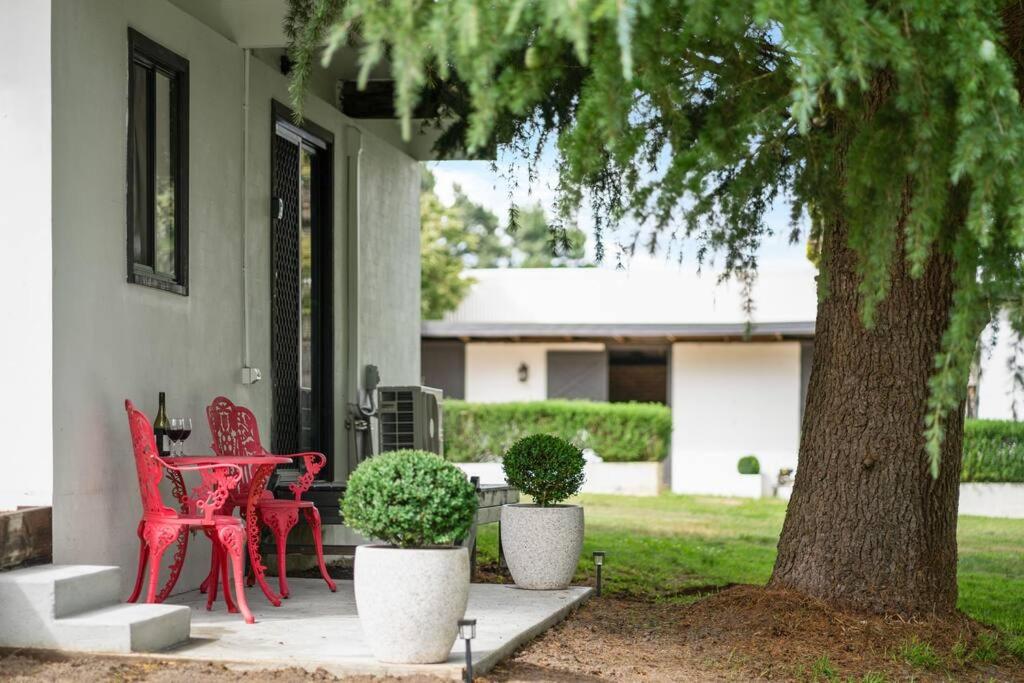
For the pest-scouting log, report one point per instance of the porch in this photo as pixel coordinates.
(316, 629)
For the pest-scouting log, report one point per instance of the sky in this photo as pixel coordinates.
(486, 187)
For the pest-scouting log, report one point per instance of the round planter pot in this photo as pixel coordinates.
(542, 545)
(410, 601)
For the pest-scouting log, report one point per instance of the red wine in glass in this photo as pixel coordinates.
(179, 429)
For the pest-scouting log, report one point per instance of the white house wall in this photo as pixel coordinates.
(26, 333)
(114, 340)
(730, 400)
(998, 396)
(492, 369)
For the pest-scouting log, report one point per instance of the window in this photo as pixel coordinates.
(157, 166)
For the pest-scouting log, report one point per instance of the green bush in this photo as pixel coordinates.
(545, 467)
(410, 499)
(618, 432)
(993, 451)
(749, 464)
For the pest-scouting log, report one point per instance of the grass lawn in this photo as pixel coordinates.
(668, 548)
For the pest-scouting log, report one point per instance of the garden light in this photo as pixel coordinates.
(467, 631)
(598, 562)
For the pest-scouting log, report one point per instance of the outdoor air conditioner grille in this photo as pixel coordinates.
(410, 418)
(398, 426)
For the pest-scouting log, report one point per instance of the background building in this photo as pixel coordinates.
(667, 336)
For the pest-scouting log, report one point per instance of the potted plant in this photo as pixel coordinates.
(749, 468)
(411, 589)
(542, 540)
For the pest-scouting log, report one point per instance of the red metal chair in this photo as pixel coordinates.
(236, 433)
(161, 525)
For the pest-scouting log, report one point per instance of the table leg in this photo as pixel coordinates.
(252, 530)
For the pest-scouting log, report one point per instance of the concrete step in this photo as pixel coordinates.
(79, 607)
(125, 628)
(60, 590)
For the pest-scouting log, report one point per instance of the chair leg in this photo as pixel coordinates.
(281, 521)
(158, 536)
(143, 556)
(313, 519)
(233, 540)
(228, 510)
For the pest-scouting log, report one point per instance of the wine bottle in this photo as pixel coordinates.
(160, 425)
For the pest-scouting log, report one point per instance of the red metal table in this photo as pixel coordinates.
(261, 467)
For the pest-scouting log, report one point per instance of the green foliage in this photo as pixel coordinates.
(410, 499)
(442, 285)
(468, 235)
(960, 651)
(1016, 646)
(822, 669)
(539, 244)
(618, 432)
(918, 654)
(545, 467)
(749, 464)
(993, 451)
(873, 677)
(986, 649)
(692, 118)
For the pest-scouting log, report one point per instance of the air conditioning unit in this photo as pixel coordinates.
(411, 417)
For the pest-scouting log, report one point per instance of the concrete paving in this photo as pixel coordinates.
(317, 629)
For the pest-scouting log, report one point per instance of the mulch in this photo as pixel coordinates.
(748, 633)
(741, 633)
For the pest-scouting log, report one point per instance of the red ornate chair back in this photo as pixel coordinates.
(247, 433)
(147, 462)
(218, 415)
(234, 432)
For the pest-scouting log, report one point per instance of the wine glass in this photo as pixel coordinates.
(179, 429)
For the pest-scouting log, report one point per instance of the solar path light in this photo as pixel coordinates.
(467, 631)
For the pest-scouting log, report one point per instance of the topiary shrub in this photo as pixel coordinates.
(749, 464)
(545, 467)
(409, 499)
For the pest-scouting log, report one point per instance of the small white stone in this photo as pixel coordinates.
(542, 544)
(410, 601)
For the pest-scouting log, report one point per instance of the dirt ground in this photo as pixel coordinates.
(750, 633)
(739, 634)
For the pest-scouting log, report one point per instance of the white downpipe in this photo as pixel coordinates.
(246, 54)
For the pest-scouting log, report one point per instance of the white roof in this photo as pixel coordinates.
(603, 296)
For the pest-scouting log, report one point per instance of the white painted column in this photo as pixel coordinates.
(731, 400)
(26, 255)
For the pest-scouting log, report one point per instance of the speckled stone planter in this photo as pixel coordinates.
(410, 601)
(542, 545)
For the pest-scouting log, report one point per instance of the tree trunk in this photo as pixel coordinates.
(867, 526)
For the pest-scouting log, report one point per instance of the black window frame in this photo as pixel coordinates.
(146, 52)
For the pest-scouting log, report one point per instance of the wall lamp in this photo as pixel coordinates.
(523, 372)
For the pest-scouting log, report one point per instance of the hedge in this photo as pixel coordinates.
(618, 432)
(993, 451)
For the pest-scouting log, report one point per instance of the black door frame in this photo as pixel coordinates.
(322, 209)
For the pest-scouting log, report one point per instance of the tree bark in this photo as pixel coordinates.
(867, 525)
